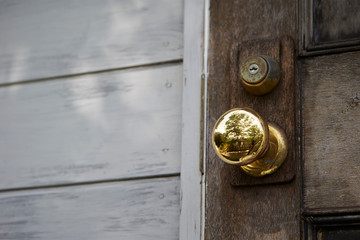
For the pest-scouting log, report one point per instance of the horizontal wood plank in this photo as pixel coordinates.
(41, 39)
(124, 210)
(331, 112)
(93, 127)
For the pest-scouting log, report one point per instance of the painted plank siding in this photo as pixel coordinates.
(120, 210)
(90, 122)
(113, 125)
(41, 39)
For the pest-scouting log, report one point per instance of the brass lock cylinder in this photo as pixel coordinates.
(260, 74)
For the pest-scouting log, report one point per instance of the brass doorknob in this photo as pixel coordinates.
(242, 137)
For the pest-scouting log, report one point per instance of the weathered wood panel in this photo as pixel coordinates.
(41, 39)
(122, 210)
(117, 124)
(264, 211)
(336, 21)
(332, 227)
(331, 112)
(328, 26)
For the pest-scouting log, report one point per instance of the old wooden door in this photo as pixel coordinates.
(315, 195)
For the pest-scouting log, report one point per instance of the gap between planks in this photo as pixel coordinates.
(153, 64)
(62, 185)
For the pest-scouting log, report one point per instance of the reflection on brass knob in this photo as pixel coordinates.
(260, 74)
(242, 137)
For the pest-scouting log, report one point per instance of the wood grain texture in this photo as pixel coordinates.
(41, 39)
(191, 147)
(265, 211)
(331, 112)
(336, 21)
(122, 210)
(93, 127)
(329, 26)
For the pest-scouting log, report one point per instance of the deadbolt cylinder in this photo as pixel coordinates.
(260, 74)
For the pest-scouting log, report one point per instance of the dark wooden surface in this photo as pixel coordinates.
(280, 102)
(331, 112)
(336, 21)
(259, 212)
(332, 227)
(329, 26)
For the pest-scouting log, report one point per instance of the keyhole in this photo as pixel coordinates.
(253, 69)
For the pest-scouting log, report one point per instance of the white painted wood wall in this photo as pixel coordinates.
(90, 119)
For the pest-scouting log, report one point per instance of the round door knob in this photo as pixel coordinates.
(242, 137)
(260, 74)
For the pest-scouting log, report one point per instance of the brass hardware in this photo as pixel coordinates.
(242, 137)
(260, 74)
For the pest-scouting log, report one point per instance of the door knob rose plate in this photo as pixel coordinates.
(242, 137)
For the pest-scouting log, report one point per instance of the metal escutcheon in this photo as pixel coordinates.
(242, 137)
(260, 74)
